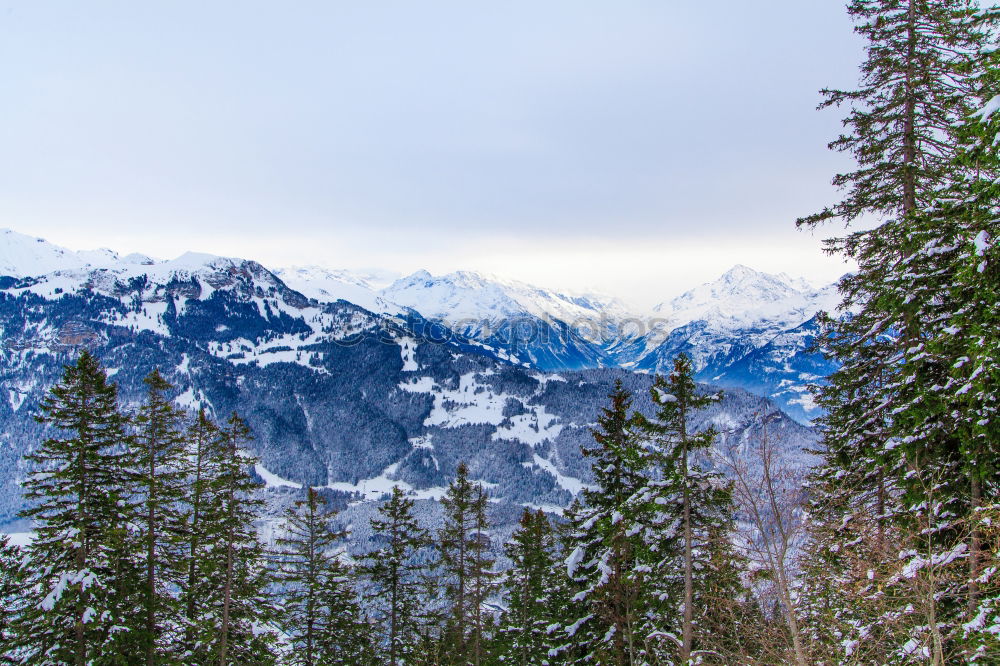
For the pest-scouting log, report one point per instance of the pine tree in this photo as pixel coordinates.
(693, 499)
(343, 636)
(465, 560)
(531, 606)
(14, 595)
(234, 609)
(395, 575)
(157, 461)
(950, 276)
(432, 646)
(617, 605)
(320, 615)
(202, 456)
(915, 86)
(82, 576)
(891, 494)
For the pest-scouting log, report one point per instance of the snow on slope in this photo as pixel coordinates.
(26, 256)
(743, 298)
(327, 285)
(23, 256)
(470, 297)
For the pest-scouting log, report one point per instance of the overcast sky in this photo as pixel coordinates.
(632, 146)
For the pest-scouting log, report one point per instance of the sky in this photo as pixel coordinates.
(635, 147)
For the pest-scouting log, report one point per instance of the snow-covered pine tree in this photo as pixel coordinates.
(320, 615)
(889, 478)
(466, 564)
(972, 341)
(395, 575)
(612, 560)
(950, 276)
(344, 636)
(531, 608)
(82, 575)
(695, 507)
(156, 459)
(202, 455)
(236, 612)
(14, 596)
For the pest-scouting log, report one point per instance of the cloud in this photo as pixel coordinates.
(256, 126)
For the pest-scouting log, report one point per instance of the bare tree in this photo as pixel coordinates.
(769, 496)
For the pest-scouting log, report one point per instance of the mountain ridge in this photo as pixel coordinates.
(719, 323)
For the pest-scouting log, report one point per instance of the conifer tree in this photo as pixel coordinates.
(531, 606)
(948, 273)
(467, 566)
(82, 574)
(202, 456)
(235, 611)
(344, 635)
(14, 596)
(616, 607)
(692, 498)
(433, 620)
(890, 496)
(320, 615)
(156, 459)
(395, 575)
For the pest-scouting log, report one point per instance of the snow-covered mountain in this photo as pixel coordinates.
(747, 329)
(329, 285)
(742, 298)
(547, 329)
(337, 396)
(24, 256)
(469, 296)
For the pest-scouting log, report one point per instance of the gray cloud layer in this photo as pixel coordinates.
(394, 119)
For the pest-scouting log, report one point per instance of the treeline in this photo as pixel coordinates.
(148, 550)
(145, 549)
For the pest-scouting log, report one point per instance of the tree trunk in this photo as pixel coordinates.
(909, 115)
(150, 556)
(688, 628)
(975, 548)
(81, 552)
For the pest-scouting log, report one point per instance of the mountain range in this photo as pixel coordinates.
(747, 329)
(354, 382)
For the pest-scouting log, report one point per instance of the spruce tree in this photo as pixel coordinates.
(235, 612)
(320, 615)
(395, 574)
(531, 606)
(83, 578)
(695, 504)
(616, 608)
(158, 470)
(202, 455)
(891, 499)
(14, 596)
(343, 635)
(467, 566)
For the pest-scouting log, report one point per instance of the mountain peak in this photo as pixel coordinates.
(743, 293)
(741, 272)
(23, 256)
